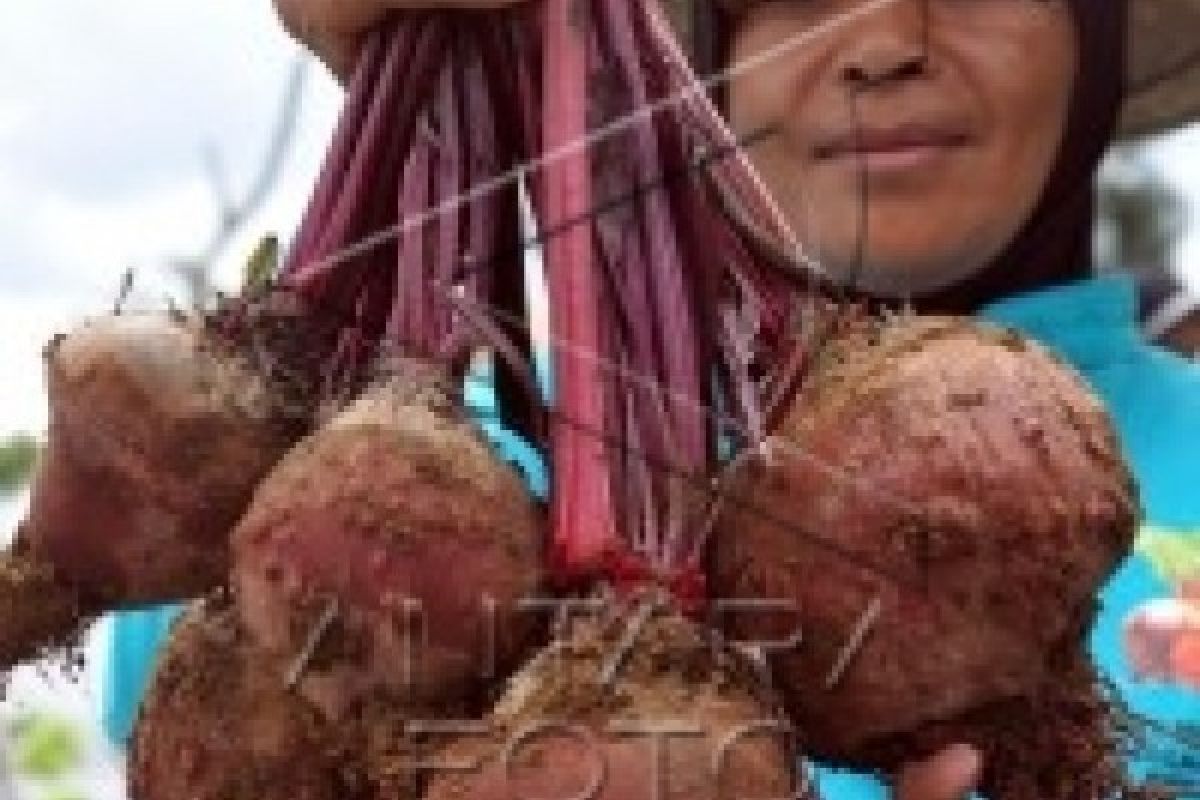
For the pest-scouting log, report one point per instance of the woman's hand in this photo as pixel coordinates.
(333, 29)
(951, 774)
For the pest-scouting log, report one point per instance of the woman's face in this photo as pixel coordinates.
(911, 139)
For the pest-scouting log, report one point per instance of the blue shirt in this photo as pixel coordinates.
(1154, 399)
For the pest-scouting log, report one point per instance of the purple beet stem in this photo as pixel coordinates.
(649, 304)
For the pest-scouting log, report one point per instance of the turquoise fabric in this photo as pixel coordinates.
(480, 401)
(133, 640)
(1154, 398)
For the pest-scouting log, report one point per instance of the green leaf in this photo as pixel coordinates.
(262, 267)
(62, 793)
(47, 747)
(18, 454)
(1175, 555)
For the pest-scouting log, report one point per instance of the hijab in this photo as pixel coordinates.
(1055, 245)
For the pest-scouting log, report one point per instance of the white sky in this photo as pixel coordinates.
(105, 109)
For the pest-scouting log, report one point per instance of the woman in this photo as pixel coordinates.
(943, 151)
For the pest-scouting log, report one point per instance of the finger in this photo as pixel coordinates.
(334, 29)
(307, 17)
(951, 774)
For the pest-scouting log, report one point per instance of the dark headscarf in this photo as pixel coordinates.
(1055, 245)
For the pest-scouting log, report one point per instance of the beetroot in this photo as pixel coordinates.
(218, 724)
(966, 485)
(397, 501)
(159, 432)
(562, 726)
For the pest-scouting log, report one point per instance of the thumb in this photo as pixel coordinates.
(951, 774)
(332, 30)
(339, 52)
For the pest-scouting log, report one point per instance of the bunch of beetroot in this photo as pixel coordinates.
(901, 552)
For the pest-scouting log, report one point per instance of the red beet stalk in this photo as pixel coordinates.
(660, 273)
(395, 252)
(584, 529)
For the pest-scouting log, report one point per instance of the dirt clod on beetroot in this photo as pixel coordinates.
(37, 612)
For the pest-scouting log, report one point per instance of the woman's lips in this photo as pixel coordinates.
(897, 149)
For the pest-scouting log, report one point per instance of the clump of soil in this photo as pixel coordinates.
(961, 490)
(38, 615)
(637, 711)
(287, 342)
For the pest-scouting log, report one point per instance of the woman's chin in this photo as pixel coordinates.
(905, 249)
(902, 278)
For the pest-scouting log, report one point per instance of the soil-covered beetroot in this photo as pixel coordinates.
(218, 724)
(158, 437)
(398, 528)
(961, 479)
(159, 433)
(679, 718)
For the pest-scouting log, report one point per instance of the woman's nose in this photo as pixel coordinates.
(884, 42)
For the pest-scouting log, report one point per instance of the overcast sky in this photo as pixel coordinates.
(106, 107)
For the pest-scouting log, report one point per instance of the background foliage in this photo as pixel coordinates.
(18, 454)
